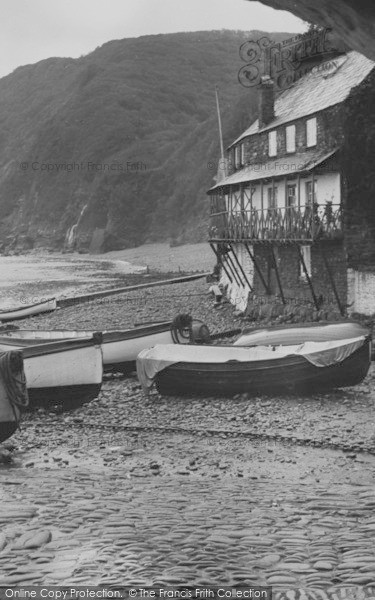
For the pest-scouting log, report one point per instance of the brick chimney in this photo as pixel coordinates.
(266, 101)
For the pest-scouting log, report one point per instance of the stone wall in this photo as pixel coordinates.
(295, 287)
(329, 136)
(294, 284)
(361, 292)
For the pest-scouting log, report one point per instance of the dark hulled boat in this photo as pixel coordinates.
(229, 370)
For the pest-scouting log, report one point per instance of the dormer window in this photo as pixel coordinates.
(291, 138)
(237, 157)
(243, 154)
(272, 143)
(311, 132)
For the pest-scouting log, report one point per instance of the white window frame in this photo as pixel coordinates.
(306, 253)
(311, 132)
(243, 158)
(272, 143)
(290, 187)
(290, 133)
(237, 156)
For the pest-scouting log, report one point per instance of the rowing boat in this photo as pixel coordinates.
(66, 372)
(13, 392)
(12, 314)
(120, 347)
(300, 332)
(228, 370)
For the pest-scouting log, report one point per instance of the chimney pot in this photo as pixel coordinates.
(266, 107)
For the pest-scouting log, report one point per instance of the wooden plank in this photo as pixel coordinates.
(258, 270)
(63, 302)
(277, 275)
(233, 270)
(220, 261)
(241, 268)
(316, 303)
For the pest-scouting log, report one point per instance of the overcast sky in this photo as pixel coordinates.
(31, 30)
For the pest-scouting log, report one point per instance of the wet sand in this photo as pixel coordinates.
(30, 278)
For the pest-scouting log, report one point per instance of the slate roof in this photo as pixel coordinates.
(278, 167)
(316, 91)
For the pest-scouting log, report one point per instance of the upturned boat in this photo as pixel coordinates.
(66, 372)
(12, 314)
(13, 392)
(121, 346)
(228, 370)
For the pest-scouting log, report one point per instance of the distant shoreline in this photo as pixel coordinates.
(41, 274)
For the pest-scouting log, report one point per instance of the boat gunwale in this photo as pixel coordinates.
(26, 307)
(54, 347)
(109, 335)
(308, 326)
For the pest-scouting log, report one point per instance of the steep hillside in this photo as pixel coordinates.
(123, 139)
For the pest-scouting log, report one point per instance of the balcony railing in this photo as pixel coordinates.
(287, 223)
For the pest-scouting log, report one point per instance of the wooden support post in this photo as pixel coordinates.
(277, 275)
(308, 278)
(261, 209)
(220, 261)
(285, 192)
(258, 270)
(299, 192)
(240, 267)
(242, 208)
(313, 208)
(330, 275)
(233, 270)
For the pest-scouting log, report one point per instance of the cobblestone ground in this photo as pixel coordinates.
(143, 490)
(82, 526)
(133, 499)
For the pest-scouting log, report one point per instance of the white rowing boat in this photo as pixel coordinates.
(64, 372)
(12, 314)
(120, 347)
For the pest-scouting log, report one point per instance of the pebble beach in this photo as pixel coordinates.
(143, 490)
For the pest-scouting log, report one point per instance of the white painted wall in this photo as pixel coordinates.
(361, 292)
(238, 295)
(327, 189)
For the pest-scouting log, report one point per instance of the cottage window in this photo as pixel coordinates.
(291, 138)
(291, 195)
(311, 132)
(309, 195)
(272, 143)
(306, 254)
(243, 154)
(272, 198)
(237, 157)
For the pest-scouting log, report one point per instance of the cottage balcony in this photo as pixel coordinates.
(278, 224)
